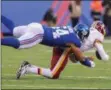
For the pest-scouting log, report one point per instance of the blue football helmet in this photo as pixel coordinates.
(82, 31)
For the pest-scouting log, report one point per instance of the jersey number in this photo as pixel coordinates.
(59, 33)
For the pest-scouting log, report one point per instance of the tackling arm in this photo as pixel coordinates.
(77, 52)
(98, 45)
(80, 57)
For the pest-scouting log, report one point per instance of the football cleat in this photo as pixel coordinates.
(23, 69)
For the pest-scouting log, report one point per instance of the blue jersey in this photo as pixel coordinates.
(60, 36)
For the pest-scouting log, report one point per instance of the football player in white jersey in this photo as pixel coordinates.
(94, 40)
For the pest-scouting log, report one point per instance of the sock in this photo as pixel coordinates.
(40, 71)
(10, 41)
(9, 24)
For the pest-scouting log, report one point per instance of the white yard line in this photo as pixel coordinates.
(55, 85)
(27, 86)
(47, 87)
(15, 75)
(89, 77)
(86, 77)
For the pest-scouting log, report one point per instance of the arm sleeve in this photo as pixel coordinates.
(101, 51)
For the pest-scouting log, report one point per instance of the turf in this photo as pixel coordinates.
(75, 76)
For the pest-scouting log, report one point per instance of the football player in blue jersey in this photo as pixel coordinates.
(65, 37)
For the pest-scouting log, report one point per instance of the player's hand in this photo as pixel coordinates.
(73, 58)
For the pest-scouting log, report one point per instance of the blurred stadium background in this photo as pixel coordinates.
(74, 76)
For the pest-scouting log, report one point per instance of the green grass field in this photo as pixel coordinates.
(75, 76)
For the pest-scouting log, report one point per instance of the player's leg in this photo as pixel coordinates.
(57, 52)
(28, 68)
(10, 41)
(32, 36)
(9, 24)
(13, 41)
(29, 40)
(60, 65)
(20, 31)
(26, 41)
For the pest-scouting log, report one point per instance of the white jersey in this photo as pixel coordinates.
(89, 42)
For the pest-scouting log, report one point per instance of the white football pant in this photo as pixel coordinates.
(29, 35)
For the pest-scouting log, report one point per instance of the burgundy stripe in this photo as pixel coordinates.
(39, 71)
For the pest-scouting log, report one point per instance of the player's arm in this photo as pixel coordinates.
(77, 52)
(79, 55)
(99, 47)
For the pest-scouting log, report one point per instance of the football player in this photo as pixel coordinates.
(34, 33)
(94, 40)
